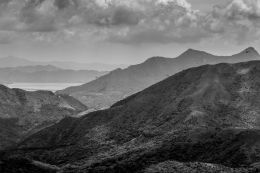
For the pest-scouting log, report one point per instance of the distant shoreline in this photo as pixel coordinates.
(41, 86)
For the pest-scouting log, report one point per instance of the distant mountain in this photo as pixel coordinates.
(87, 66)
(32, 69)
(46, 74)
(118, 84)
(22, 113)
(206, 114)
(11, 61)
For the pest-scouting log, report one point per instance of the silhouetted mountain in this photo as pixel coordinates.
(204, 114)
(23, 165)
(12, 61)
(118, 84)
(46, 74)
(22, 113)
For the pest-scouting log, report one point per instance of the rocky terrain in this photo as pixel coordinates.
(179, 167)
(23, 113)
(198, 119)
(120, 83)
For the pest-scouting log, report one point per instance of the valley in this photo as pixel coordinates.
(198, 116)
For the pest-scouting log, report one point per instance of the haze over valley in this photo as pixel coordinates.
(139, 86)
(11, 61)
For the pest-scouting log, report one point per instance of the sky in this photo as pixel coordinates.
(125, 31)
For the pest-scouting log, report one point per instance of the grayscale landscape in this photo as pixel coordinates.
(119, 86)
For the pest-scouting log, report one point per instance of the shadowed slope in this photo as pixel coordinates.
(208, 114)
(22, 113)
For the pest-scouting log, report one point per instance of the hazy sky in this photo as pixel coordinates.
(125, 31)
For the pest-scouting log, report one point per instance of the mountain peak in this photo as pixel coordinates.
(193, 52)
(251, 50)
(154, 58)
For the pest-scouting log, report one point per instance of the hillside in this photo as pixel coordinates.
(23, 113)
(46, 74)
(118, 84)
(206, 114)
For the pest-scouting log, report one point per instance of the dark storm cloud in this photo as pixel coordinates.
(122, 15)
(63, 4)
(4, 2)
(35, 22)
(34, 3)
(118, 16)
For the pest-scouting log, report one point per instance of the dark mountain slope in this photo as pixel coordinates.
(118, 84)
(23, 165)
(22, 113)
(206, 114)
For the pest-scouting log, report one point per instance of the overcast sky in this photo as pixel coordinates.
(125, 31)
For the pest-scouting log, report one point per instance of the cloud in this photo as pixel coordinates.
(150, 21)
(240, 9)
(156, 36)
(239, 20)
(131, 22)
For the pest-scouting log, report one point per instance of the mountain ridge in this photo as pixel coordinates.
(12, 61)
(46, 74)
(118, 84)
(23, 113)
(204, 114)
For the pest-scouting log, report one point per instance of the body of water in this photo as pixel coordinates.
(42, 86)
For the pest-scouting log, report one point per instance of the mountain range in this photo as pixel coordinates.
(23, 113)
(12, 61)
(46, 74)
(120, 83)
(196, 120)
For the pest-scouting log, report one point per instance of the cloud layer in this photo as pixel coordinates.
(127, 22)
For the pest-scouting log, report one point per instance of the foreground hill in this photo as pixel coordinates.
(22, 113)
(205, 114)
(118, 84)
(46, 74)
